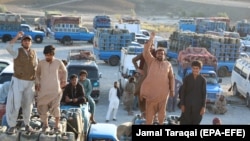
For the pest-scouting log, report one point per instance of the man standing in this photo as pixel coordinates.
(158, 84)
(49, 86)
(141, 69)
(86, 83)
(21, 92)
(114, 94)
(193, 96)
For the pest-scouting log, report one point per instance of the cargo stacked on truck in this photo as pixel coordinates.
(69, 28)
(80, 59)
(11, 24)
(225, 49)
(133, 25)
(188, 55)
(101, 21)
(108, 43)
(48, 20)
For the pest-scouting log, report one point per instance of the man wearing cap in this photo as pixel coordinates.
(49, 85)
(21, 92)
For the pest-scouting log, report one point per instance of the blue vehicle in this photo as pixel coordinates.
(208, 70)
(68, 35)
(187, 25)
(108, 43)
(214, 89)
(9, 30)
(102, 21)
(224, 49)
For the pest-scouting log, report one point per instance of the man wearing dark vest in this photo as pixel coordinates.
(21, 92)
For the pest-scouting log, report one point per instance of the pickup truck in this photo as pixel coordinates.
(10, 30)
(208, 70)
(108, 43)
(69, 35)
(67, 29)
(226, 50)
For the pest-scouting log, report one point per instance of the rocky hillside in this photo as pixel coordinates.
(180, 8)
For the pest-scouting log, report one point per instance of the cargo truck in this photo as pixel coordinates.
(69, 28)
(185, 58)
(226, 50)
(108, 43)
(11, 24)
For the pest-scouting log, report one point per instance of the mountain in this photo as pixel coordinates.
(235, 9)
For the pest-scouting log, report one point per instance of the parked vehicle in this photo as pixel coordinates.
(85, 60)
(109, 42)
(4, 63)
(102, 21)
(6, 74)
(240, 79)
(126, 68)
(226, 50)
(208, 70)
(69, 28)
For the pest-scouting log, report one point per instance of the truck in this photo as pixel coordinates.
(74, 124)
(11, 24)
(101, 21)
(185, 58)
(126, 67)
(108, 43)
(69, 28)
(80, 59)
(225, 49)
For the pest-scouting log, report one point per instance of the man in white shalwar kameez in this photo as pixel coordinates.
(21, 92)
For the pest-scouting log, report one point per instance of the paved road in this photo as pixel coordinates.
(237, 113)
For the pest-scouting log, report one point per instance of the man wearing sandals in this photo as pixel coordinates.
(49, 87)
(21, 92)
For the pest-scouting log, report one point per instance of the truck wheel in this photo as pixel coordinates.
(66, 40)
(91, 41)
(114, 60)
(235, 90)
(6, 38)
(38, 39)
(222, 72)
(248, 100)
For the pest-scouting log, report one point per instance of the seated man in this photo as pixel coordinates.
(73, 93)
(220, 106)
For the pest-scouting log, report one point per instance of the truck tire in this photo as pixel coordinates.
(6, 38)
(38, 39)
(222, 72)
(91, 41)
(235, 90)
(114, 60)
(67, 40)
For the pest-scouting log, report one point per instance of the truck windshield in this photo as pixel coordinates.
(92, 72)
(210, 78)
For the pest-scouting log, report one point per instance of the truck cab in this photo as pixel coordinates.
(214, 89)
(36, 35)
(84, 60)
(208, 70)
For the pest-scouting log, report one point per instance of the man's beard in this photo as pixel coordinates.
(160, 59)
(25, 47)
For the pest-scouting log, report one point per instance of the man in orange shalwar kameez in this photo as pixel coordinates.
(158, 84)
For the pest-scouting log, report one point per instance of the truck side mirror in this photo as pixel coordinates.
(100, 75)
(220, 80)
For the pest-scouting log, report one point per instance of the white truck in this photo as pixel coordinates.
(126, 68)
